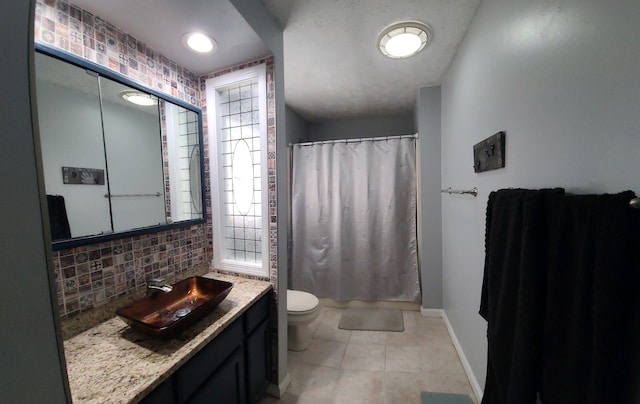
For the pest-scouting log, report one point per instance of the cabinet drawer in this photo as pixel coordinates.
(257, 313)
(195, 372)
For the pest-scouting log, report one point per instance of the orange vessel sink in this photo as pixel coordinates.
(166, 314)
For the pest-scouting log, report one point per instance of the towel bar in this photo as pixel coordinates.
(130, 195)
(473, 191)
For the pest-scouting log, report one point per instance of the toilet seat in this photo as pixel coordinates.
(300, 303)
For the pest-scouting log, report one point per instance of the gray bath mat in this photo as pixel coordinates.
(371, 320)
(445, 398)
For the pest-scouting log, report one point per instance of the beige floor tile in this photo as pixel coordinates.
(368, 337)
(409, 319)
(311, 382)
(313, 326)
(356, 386)
(448, 382)
(407, 338)
(404, 359)
(364, 357)
(342, 366)
(294, 399)
(293, 360)
(326, 353)
(431, 326)
(403, 388)
(329, 331)
(441, 357)
(331, 315)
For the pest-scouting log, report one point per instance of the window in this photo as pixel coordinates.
(236, 112)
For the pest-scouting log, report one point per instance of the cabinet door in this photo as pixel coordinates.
(201, 367)
(163, 394)
(226, 385)
(258, 355)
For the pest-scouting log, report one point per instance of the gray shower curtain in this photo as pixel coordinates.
(354, 220)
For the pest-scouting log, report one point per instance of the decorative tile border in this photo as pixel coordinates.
(69, 28)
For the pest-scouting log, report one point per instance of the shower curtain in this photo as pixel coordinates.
(354, 220)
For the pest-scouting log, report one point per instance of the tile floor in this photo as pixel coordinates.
(343, 366)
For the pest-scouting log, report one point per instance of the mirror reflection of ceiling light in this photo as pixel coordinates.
(403, 39)
(199, 42)
(139, 98)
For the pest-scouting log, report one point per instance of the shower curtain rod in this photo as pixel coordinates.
(414, 136)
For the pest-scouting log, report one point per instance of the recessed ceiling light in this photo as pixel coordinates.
(403, 39)
(199, 42)
(139, 98)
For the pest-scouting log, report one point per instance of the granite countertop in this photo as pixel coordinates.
(112, 363)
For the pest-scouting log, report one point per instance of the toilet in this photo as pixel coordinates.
(302, 309)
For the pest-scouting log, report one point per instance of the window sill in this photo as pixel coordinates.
(244, 268)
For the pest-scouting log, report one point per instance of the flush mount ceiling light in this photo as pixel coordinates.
(199, 42)
(139, 98)
(403, 39)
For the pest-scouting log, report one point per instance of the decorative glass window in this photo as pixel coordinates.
(236, 111)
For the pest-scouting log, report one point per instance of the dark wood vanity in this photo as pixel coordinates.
(235, 367)
(224, 358)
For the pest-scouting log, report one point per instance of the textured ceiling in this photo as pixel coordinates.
(161, 24)
(333, 68)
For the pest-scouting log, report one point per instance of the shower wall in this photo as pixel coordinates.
(373, 126)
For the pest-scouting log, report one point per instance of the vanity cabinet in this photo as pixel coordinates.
(258, 351)
(235, 367)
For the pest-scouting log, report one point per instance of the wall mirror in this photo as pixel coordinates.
(118, 159)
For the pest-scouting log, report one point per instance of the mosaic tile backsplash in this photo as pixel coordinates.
(90, 276)
(64, 26)
(93, 275)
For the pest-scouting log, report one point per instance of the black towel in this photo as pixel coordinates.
(513, 292)
(592, 319)
(58, 217)
(561, 296)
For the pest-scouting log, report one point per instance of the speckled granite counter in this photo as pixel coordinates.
(111, 363)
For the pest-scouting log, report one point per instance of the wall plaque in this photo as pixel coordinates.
(489, 154)
(82, 176)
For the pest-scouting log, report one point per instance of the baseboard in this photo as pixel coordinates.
(463, 359)
(278, 390)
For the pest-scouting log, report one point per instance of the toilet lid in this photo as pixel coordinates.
(301, 301)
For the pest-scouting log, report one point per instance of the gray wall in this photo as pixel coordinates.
(71, 135)
(133, 146)
(270, 32)
(31, 352)
(429, 202)
(561, 77)
(296, 127)
(373, 126)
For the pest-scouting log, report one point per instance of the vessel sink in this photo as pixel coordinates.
(166, 314)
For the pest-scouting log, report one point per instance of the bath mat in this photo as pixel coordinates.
(371, 320)
(445, 398)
